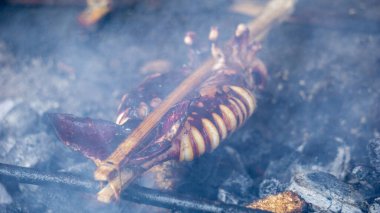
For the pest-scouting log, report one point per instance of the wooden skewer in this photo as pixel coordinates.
(274, 12)
(114, 186)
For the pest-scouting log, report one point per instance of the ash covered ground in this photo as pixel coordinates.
(316, 129)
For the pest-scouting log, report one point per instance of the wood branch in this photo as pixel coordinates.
(274, 12)
(344, 17)
(114, 186)
(251, 8)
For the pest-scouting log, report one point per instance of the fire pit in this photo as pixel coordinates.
(316, 130)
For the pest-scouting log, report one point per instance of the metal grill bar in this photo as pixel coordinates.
(133, 193)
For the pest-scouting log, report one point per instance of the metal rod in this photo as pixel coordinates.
(133, 193)
(37, 177)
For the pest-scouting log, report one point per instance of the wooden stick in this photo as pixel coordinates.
(273, 13)
(114, 186)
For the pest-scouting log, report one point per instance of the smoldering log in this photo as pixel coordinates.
(133, 193)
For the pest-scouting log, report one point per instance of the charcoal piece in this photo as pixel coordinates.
(235, 189)
(374, 153)
(284, 202)
(21, 120)
(27, 151)
(2, 131)
(208, 173)
(6, 58)
(333, 156)
(333, 159)
(6, 106)
(227, 197)
(270, 187)
(14, 207)
(326, 193)
(5, 198)
(60, 199)
(375, 206)
(362, 173)
(365, 180)
(282, 169)
(328, 149)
